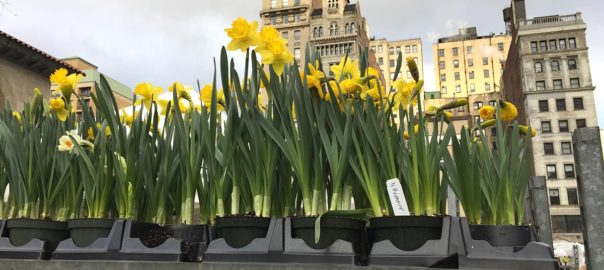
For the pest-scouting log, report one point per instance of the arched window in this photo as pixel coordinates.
(538, 67)
(320, 31)
(555, 66)
(315, 32)
(347, 28)
(352, 29)
(332, 4)
(333, 29)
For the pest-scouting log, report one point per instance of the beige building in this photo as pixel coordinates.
(23, 68)
(122, 93)
(331, 28)
(386, 53)
(548, 74)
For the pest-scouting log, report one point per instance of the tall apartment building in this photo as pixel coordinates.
(331, 28)
(470, 66)
(386, 53)
(547, 74)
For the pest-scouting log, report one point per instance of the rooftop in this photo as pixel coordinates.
(552, 21)
(117, 87)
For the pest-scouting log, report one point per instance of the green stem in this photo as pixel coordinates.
(335, 198)
(266, 206)
(307, 207)
(235, 194)
(346, 198)
(258, 205)
(220, 207)
(315, 202)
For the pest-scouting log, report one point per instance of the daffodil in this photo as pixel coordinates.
(58, 106)
(415, 130)
(269, 34)
(127, 118)
(346, 69)
(413, 68)
(525, 130)
(163, 104)
(508, 112)
(404, 94)
(148, 92)
(315, 78)
(487, 112)
(277, 54)
(181, 90)
(243, 34)
(17, 116)
(206, 97)
(376, 93)
(65, 144)
(65, 83)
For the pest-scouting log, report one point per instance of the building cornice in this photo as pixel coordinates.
(564, 90)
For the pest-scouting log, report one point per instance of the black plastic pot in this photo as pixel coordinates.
(85, 231)
(21, 231)
(192, 236)
(239, 232)
(406, 232)
(151, 235)
(332, 229)
(502, 235)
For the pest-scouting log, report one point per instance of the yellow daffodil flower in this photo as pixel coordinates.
(58, 106)
(315, 78)
(346, 69)
(65, 83)
(404, 94)
(148, 92)
(525, 130)
(508, 112)
(376, 93)
(277, 54)
(415, 130)
(126, 118)
(163, 104)
(17, 116)
(65, 144)
(243, 34)
(181, 90)
(269, 34)
(487, 112)
(206, 98)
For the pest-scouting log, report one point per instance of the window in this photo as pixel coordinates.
(578, 103)
(581, 123)
(469, 49)
(472, 87)
(348, 30)
(380, 48)
(538, 67)
(500, 46)
(477, 105)
(546, 127)
(455, 51)
(297, 35)
(543, 106)
(381, 61)
(414, 48)
(285, 18)
(534, 47)
(569, 170)
(548, 148)
(461, 109)
(408, 49)
(563, 125)
(320, 31)
(285, 35)
(398, 49)
(471, 75)
(560, 105)
(457, 77)
(486, 73)
(562, 43)
(493, 103)
(372, 47)
(485, 61)
(273, 3)
(566, 148)
(441, 52)
(391, 50)
(274, 20)
(455, 63)
(296, 2)
(551, 171)
(391, 62)
(567, 224)
(553, 45)
(476, 119)
(574, 83)
(297, 53)
(443, 89)
(540, 85)
(557, 84)
(487, 86)
(572, 195)
(554, 197)
(441, 64)
(555, 66)
(333, 29)
(572, 43)
(458, 88)
(85, 91)
(285, 3)
(470, 62)
(443, 77)
(572, 64)
(543, 46)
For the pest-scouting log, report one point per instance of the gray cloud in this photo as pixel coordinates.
(163, 41)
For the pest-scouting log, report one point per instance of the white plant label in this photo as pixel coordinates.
(397, 197)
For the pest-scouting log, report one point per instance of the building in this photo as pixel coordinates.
(470, 66)
(122, 93)
(386, 52)
(547, 74)
(23, 68)
(331, 28)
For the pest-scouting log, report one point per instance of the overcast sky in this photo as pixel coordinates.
(163, 41)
